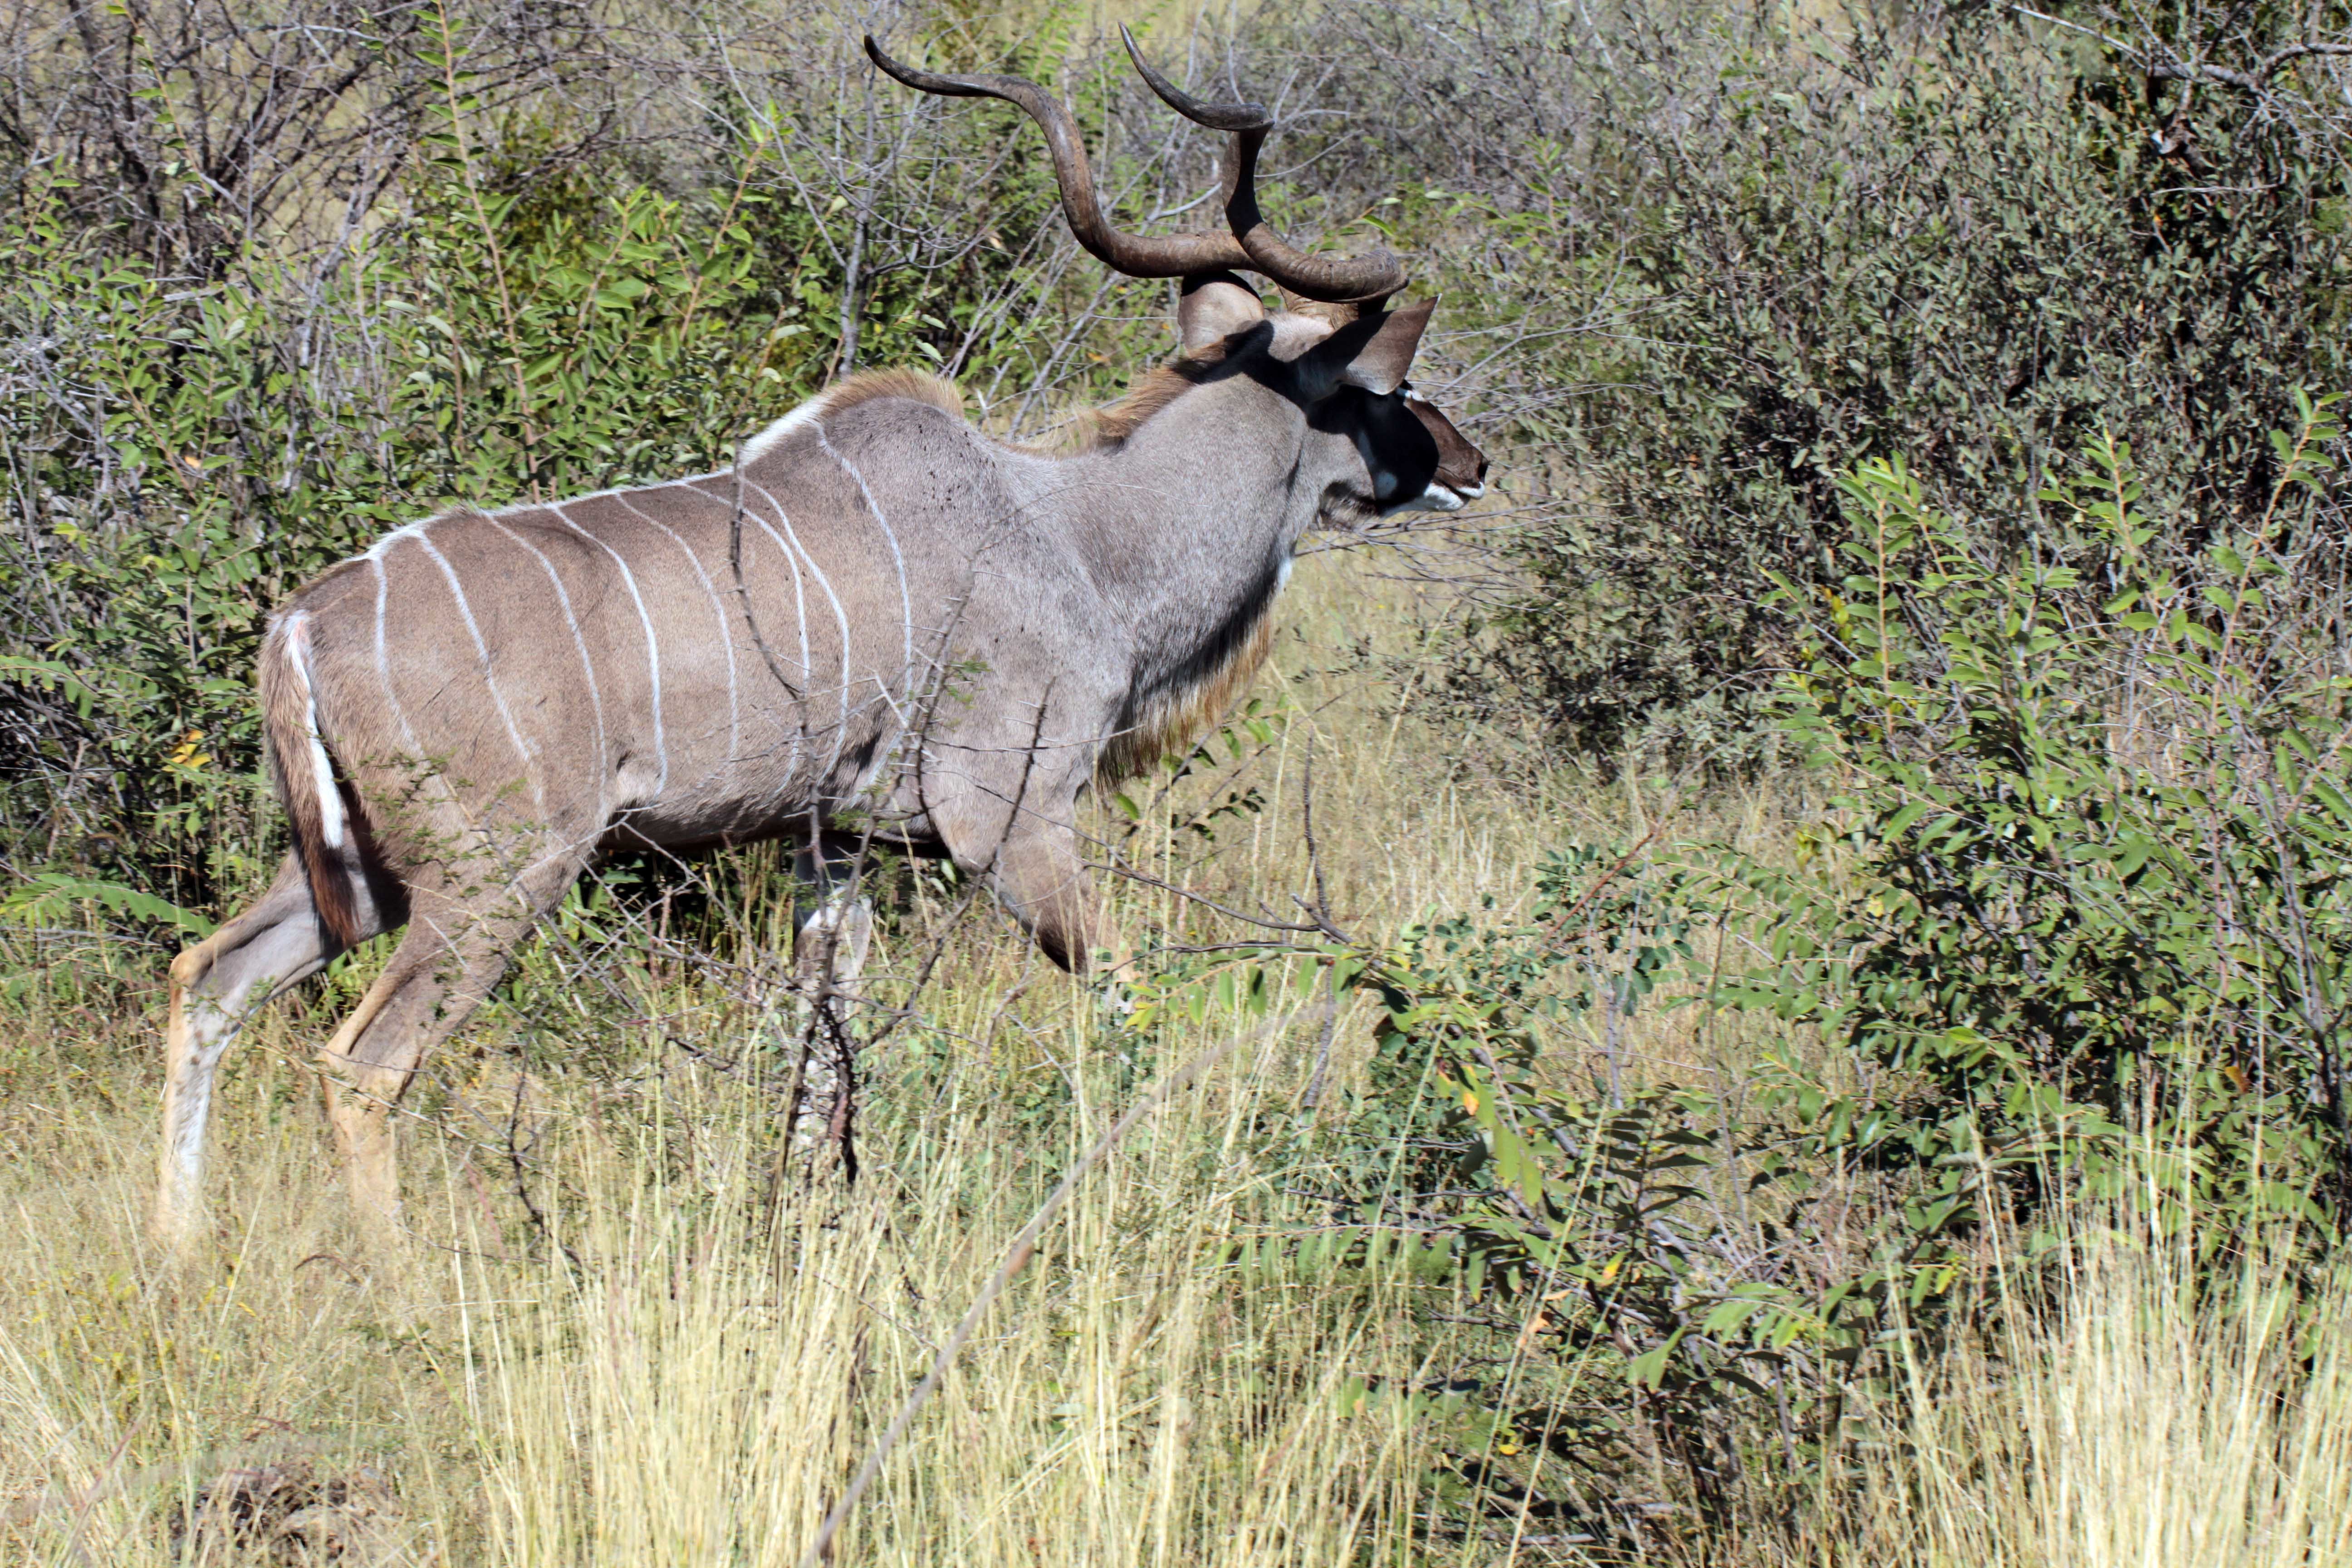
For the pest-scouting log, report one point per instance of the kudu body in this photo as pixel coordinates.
(878, 612)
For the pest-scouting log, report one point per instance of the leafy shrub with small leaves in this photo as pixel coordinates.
(1961, 238)
(2077, 922)
(2099, 815)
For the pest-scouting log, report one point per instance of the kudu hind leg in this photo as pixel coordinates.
(454, 953)
(215, 986)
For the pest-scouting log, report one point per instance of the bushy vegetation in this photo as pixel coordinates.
(2071, 926)
(1697, 972)
(1746, 251)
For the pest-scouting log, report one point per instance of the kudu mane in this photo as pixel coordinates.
(866, 386)
(1159, 387)
(1096, 428)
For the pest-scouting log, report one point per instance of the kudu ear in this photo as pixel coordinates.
(1373, 351)
(1212, 307)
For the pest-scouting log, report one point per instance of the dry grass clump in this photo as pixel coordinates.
(705, 1391)
(697, 1383)
(2130, 1423)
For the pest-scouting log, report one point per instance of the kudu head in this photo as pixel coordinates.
(1373, 445)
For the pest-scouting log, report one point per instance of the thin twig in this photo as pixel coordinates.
(1560, 928)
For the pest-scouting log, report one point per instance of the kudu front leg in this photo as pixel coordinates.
(830, 948)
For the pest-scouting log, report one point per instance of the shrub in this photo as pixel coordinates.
(2077, 926)
(2102, 818)
(1768, 250)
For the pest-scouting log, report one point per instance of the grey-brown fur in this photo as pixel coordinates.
(879, 615)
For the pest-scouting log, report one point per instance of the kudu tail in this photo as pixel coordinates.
(306, 776)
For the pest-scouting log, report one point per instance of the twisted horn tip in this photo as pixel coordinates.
(1215, 116)
(921, 80)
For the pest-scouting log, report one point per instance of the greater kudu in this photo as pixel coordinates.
(462, 719)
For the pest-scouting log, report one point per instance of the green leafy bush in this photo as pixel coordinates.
(2100, 816)
(1792, 247)
(2077, 924)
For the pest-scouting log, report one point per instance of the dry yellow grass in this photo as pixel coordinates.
(2136, 1428)
(696, 1388)
(686, 1368)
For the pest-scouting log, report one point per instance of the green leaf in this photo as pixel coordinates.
(49, 896)
(1904, 818)
(1649, 1369)
(1731, 1314)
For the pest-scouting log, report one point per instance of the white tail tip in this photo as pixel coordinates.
(323, 771)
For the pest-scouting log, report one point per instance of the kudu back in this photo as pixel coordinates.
(879, 621)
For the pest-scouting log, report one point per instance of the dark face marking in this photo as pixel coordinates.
(1414, 457)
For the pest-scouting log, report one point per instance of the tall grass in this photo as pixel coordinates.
(2134, 1423)
(698, 1387)
(698, 1384)
(703, 1394)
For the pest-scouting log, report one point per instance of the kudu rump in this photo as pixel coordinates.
(463, 718)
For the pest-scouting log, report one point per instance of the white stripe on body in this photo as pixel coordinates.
(587, 667)
(516, 509)
(653, 648)
(906, 601)
(726, 633)
(800, 608)
(800, 615)
(490, 678)
(297, 633)
(377, 551)
(841, 731)
(375, 557)
(809, 413)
